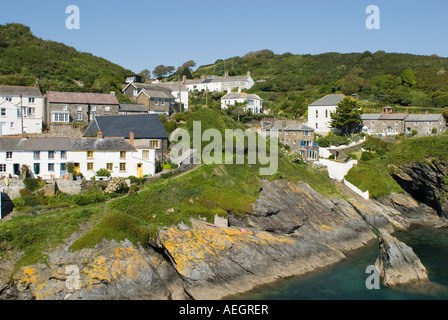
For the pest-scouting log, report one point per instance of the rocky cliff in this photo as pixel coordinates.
(292, 230)
(426, 182)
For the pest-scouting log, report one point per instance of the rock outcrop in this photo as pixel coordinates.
(397, 263)
(292, 230)
(426, 182)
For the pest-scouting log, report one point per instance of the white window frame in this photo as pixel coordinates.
(65, 117)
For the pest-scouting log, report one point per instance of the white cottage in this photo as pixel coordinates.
(47, 158)
(319, 112)
(254, 102)
(21, 109)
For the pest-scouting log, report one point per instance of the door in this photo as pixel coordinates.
(63, 169)
(140, 170)
(77, 169)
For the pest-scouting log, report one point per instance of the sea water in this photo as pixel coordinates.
(346, 280)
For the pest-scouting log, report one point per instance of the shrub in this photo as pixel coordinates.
(19, 204)
(116, 185)
(366, 156)
(31, 201)
(89, 197)
(25, 192)
(102, 173)
(33, 184)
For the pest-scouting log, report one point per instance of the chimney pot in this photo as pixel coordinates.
(131, 137)
(99, 135)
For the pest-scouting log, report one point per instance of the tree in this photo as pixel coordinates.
(347, 116)
(145, 74)
(408, 77)
(161, 71)
(185, 69)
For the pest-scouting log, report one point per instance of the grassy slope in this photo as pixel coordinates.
(373, 175)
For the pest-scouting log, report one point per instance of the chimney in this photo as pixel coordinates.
(226, 74)
(131, 138)
(184, 79)
(36, 85)
(426, 112)
(99, 135)
(203, 77)
(407, 111)
(248, 73)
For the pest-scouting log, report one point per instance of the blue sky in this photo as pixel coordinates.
(145, 33)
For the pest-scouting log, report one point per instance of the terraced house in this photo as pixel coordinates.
(47, 158)
(78, 107)
(389, 123)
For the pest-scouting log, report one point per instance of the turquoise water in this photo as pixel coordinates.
(346, 279)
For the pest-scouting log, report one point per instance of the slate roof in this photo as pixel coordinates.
(132, 107)
(155, 93)
(144, 126)
(371, 116)
(20, 90)
(64, 144)
(328, 100)
(424, 117)
(393, 116)
(81, 97)
(240, 95)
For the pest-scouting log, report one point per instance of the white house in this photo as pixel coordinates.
(254, 102)
(28, 103)
(319, 112)
(47, 158)
(12, 122)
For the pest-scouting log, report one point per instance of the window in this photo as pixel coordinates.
(63, 154)
(3, 112)
(2, 167)
(110, 166)
(156, 101)
(326, 113)
(79, 108)
(12, 125)
(79, 117)
(317, 114)
(31, 100)
(162, 102)
(92, 116)
(51, 155)
(64, 107)
(63, 167)
(32, 110)
(61, 117)
(107, 109)
(317, 125)
(122, 155)
(306, 133)
(154, 144)
(122, 166)
(89, 166)
(36, 155)
(93, 108)
(51, 167)
(145, 154)
(396, 123)
(8, 154)
(135, 92)
(8, 99)
(89, 154)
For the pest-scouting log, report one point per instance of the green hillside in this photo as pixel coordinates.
(25, 58)
(288, 82)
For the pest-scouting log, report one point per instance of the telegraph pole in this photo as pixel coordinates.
(21, 112)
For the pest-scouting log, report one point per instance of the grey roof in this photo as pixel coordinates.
(371, 116)
(154, 93)
(328, 100)
(424, 117)
(19, 90)
(289, 126)
(132, 107)
(64, 144)
(393, 116)
(144, 126)
(240, 95)
(106, 144)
